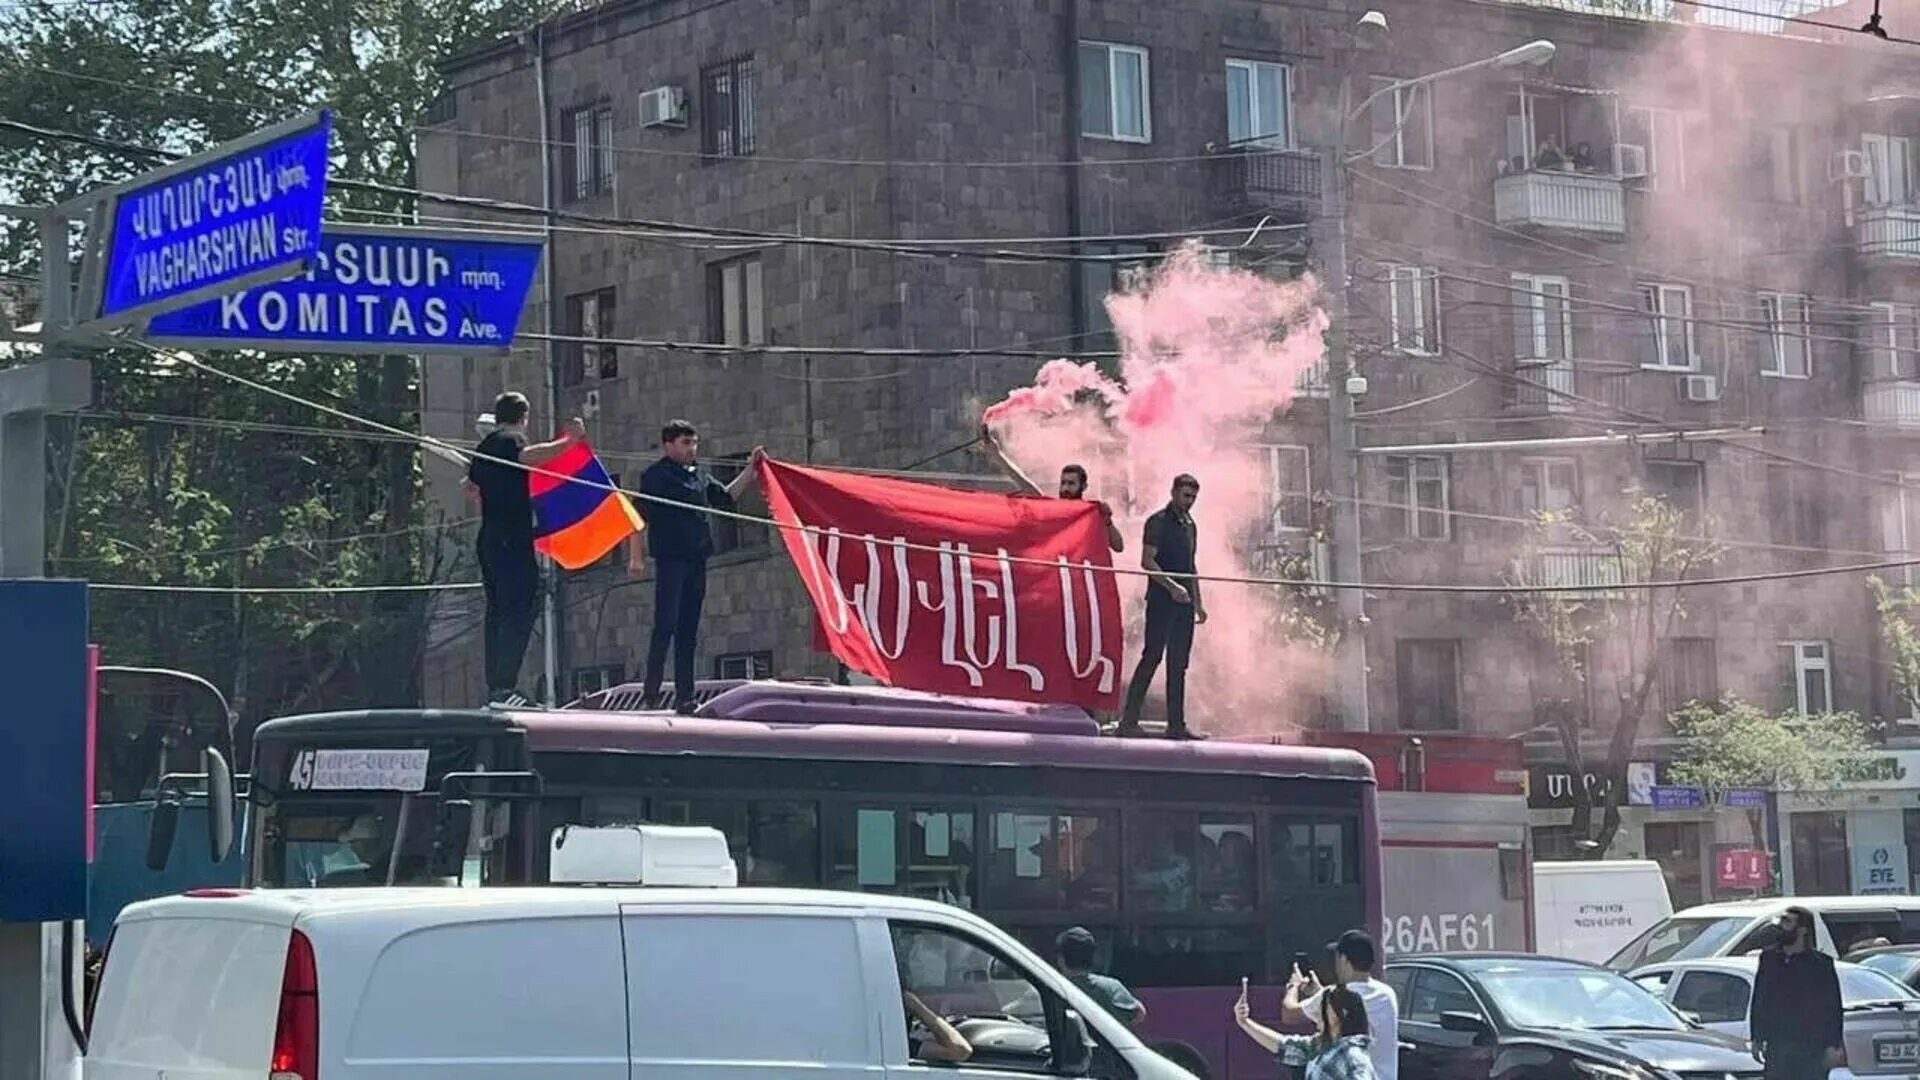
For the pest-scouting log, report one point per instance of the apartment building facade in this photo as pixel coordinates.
(1669, 228)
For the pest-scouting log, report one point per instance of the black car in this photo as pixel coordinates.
(1500, 1016)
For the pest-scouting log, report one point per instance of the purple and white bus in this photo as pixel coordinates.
(1194, 864)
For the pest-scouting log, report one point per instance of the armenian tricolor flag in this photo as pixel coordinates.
(576, 524)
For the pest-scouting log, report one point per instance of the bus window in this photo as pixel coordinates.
(1052, 860)
(925, 851)
(783, 844)
(327, 844)
(1161, 856)
(1315, 854)
(1228, 866)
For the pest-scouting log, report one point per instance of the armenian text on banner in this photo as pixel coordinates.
(965, 617)
(577, 518)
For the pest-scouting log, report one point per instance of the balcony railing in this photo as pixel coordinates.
(1260, 177)
(1312, 382)
(1551, 199)
(1564, 386)
(1543, 387)
(1576, 566)
(1896, 403)
(1890, 232)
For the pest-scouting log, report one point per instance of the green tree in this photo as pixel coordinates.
(1616, 631)
(1897, 606)
(177, 478)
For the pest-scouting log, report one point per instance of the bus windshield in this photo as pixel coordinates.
(346, 841)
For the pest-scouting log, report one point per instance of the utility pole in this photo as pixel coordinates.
(1330, 236)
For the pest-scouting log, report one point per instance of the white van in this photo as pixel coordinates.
(559, 983)
(1586, 910)
(1739, 927)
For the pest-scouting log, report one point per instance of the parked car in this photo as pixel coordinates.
(1882, 1015)
(1739, 927)
(1586, 909)
(1502, 1016)
(1900, 961)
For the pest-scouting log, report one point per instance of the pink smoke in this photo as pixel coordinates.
(1210, 361)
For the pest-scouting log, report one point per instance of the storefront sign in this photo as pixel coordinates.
(1678, 798)
(1741, 867)
(1892, 770)
(1879, 868)
(1745, 798)
(1553, 788)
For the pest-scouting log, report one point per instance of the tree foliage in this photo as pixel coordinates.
(175, 478)
(1897, 606)
(1614, 632)
(1735, 744)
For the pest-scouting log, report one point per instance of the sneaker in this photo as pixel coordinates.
(1128, 729)
(1180, 734)
(685, 708)
(507, 699)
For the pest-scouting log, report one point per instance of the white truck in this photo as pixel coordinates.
(1588, 909)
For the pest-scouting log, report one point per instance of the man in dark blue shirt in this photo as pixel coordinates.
(1174, 608)
(680, 538)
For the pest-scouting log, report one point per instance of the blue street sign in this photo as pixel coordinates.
(1746, 798)
(1677, 798)
(242, 213)
(388, 289)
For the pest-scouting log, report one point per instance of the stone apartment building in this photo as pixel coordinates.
(1670, 227)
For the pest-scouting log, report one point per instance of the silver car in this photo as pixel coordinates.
(1882, 1015)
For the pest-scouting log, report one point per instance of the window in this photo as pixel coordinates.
(1536, 121)
(1417, 491)
(1553, 842)
(1289, 490)
(1796, 506)
(1413, 296)
(1714, 997)
(1435, 992)
(924, 851)
(736, 302)
(590, 315)
(1259, 103)
(1774, 163)
(728, 124)
(1675, 845)
(1669, 332)
(1896, 340)
(1428, 684)
(1548, 485)
(955, 976)
(1900, 519)
(1402, 125)
(1889, 169)
(1053, 860)
(1314, 855)
(1821, 866)
(773, 841)
(1114, 85)
(586, 152)
(1689, 673)
(1102, 278)
(592, 680)
(1788, 353)
(1186, 862)
(1660, 132)
(1681, 483)
(1812, 676)
(743, 665)
(1542, 317)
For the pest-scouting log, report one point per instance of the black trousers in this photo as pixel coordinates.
(1796, 1061)
(512, 584)
(679, 593)
(1169, 633)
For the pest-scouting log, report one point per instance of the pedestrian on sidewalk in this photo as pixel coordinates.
(1073, 484)
(1344, 1049)
(1354, 958)
(1795, 1021)
(679, 493)
(1174, 608)
(510, 578)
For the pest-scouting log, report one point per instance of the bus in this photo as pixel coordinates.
(1195, 865)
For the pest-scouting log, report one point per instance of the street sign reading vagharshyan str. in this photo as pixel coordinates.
(384, 289)
(242, 213)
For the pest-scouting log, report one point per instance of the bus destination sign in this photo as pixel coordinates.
(359, 770)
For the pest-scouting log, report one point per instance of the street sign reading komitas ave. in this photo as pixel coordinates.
(376, 289)
(240, 214)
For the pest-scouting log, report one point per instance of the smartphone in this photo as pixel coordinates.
(1302, 964)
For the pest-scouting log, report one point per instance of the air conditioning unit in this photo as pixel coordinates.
(663, 106)
(1700, 388)
(1632, 161)
(1847, 165)
(590, 407)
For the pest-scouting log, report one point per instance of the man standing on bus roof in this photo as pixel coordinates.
(1354, 957)
(1073, 484)
(1174, 608)
(497, 476)
(678, 494)
(1074, 950)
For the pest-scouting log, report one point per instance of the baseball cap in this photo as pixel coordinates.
(1357, 946)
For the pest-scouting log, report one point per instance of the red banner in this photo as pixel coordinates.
(964, 618)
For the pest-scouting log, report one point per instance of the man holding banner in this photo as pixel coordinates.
(497, 477)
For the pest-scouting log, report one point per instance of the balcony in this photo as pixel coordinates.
(1558, 387)
(1312, 381)
(1575, 566)
(1890, 232)
(1894, 403)
(1247, 178)
(1554, 199)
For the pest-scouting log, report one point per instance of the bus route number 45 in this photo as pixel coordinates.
(1439, 933)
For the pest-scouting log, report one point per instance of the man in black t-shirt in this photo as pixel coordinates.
(507, 570)
(1174, 607)
(680, 539)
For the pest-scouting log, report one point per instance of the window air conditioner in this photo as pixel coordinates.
(1632, 160)
(663, 106)
(1700, 388)
(1846, 165)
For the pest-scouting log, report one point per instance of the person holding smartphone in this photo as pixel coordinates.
(1354, 957)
